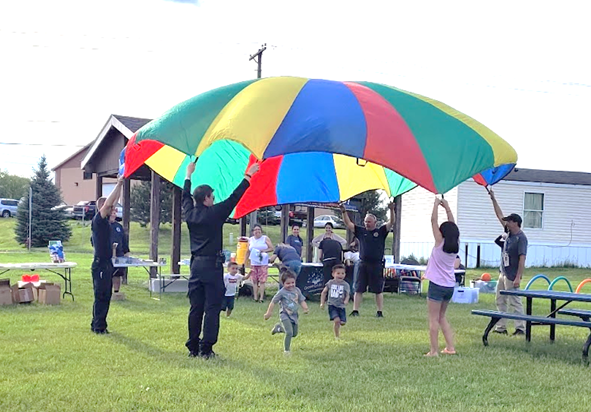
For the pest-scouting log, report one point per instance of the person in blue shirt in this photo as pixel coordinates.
(294, 240)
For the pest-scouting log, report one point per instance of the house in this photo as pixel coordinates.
(76, 184)
(554, 206)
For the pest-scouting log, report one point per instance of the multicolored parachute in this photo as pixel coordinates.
(321, 141)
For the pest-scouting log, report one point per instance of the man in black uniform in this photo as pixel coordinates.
(119, 238)
(372, 241)
(206, 284)
(102, 266)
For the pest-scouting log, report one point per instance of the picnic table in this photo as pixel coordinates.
(55, 268)
(548, 320)
(130, 262)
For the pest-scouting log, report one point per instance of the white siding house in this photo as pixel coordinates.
(555, 207)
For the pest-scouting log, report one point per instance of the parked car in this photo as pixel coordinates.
(67, 209)
(8, 207)
(322, 220)
(85, 209)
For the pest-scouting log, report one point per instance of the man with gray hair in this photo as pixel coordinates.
(372, 242)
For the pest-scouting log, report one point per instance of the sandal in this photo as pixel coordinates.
(448, 352)
(431, 355)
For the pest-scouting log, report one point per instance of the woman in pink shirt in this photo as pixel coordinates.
(441, 275)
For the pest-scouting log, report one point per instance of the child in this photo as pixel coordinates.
(231, 279)
(288, 298)
(440, 272)
(338, 296)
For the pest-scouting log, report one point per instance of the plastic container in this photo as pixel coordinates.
(242, 250)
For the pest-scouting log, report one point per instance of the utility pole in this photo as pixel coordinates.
(258, 58)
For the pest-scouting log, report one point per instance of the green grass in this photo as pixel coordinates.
(140, 238)
(51, 362)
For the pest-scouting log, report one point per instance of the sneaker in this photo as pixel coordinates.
(379, 314)
(354, 313)
(518, 332)
(286, 353)
(208, 355)
(193, 354)
(500, 332)
(277, 329)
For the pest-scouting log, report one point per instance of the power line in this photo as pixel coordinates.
(40, 144)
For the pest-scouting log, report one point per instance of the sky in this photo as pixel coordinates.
(522, 68)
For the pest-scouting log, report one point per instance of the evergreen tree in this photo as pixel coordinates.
(140, 202)
(47, 224)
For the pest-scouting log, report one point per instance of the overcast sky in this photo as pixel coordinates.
(523, 68)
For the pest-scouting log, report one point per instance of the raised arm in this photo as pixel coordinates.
(435, 221)
(448, 212)
(496, 206)
(390, 223)
(225, 208)
(349, 225)
(187, 198)
(112, 199)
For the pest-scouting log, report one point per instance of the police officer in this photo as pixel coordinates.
(102, 266)
(372, 242)
(120, 242)
(206, 284)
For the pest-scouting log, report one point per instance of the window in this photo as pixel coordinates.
(533, 210)
(87, 175)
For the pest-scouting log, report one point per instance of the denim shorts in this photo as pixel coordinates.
(439, 293)
(335, 312)
(228, 303)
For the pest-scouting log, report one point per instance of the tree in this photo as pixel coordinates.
(12, 186)
(370, 202)
(140, 202)
(47, 224)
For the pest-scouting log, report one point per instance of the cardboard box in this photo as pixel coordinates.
(49, 294)
(24, 294)
(5, 292)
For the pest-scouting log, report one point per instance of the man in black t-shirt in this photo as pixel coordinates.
(372, 241)
(331, 253)
(102, 265)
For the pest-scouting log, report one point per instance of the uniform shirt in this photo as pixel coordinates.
(118, 236)
(232, 282)
(338, 290)
(296, 242)
(205, 223)
(515, 246)
(331, 250)
(371, 243)
(101, 237)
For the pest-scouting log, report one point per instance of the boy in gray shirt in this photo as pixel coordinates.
(289, 299)
(338, 292)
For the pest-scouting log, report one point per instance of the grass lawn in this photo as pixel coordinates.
(50, 361)
(140, 238)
